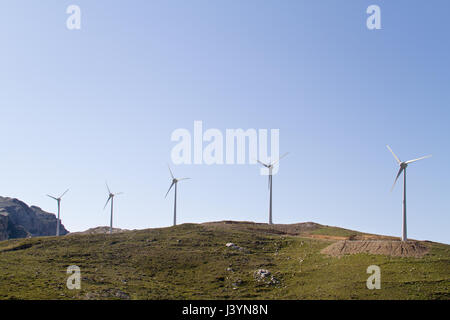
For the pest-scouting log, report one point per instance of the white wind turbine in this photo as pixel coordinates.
(270, 167)
(403, 166)
(58, 221)
(174, 183)
(111, 197)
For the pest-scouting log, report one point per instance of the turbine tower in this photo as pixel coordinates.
(174, 183)
(58, 221)
(111, 197)
(270, 167)
(403, 165)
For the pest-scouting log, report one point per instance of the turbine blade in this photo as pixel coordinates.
(109, 198)
(171, 173)
(170, 188)
(284, 155)
(107, 187)
(64, 193)
(398, 175)
(52, 197)
(395, 156)
(118, 193)
(270, 181)
(262, 163)
(183, 179)
(411, 161)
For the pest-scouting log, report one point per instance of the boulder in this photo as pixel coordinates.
(233, 246)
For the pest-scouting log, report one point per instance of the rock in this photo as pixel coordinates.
(233, 246)
(237, 283)
(261, 274)
(110, 293)
(91, 296)
(122, 295)
(273, 280)
(18, 220)
(265, 276)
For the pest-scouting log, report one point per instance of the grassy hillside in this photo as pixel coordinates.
(192, 262)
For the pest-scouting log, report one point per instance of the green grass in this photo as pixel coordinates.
(190, 262)
(333, 231)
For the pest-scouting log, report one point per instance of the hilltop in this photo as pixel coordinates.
(220, 260)
(98, 230)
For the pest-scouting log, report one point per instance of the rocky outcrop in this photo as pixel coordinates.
(100, 230)
(18, 220)
(3, 226)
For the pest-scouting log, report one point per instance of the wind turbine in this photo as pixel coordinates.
(111, 197)
(58, 221)
(403, 165)
(270, 167)
(174, 183)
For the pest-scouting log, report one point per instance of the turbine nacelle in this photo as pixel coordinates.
(403, 164)
(58, 198)
(174, 180)
(111, 195)
(270, 165)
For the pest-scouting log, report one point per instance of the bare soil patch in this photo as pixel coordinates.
(389, 248)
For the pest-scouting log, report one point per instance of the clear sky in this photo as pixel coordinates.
(84, 106)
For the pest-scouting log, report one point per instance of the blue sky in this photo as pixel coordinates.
(84, 106)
